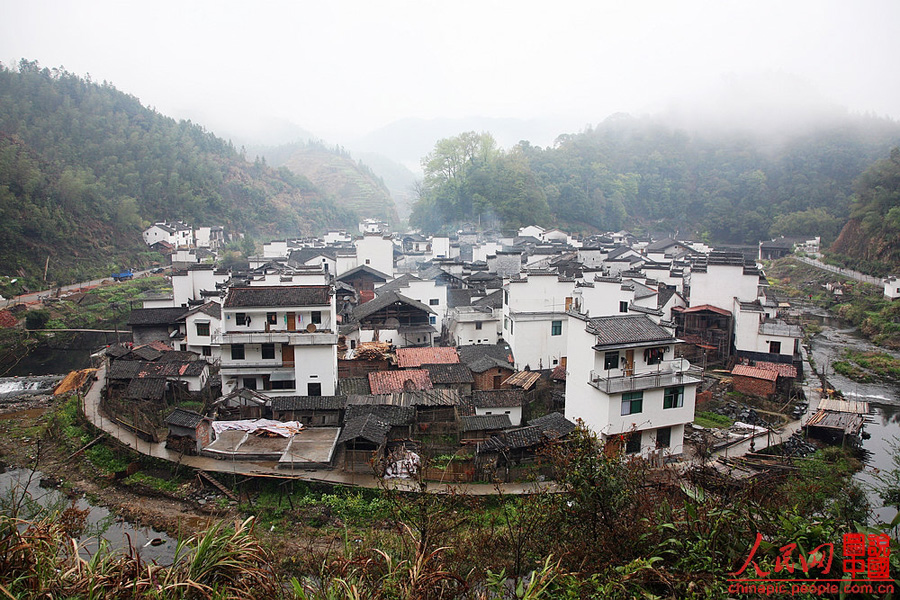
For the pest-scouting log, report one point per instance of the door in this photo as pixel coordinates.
(291, 322)
(629, 363)
(287, 356)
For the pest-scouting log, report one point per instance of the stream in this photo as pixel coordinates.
(883, 399)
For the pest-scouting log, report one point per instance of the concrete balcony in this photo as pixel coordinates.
(256, 365)
(645, 381)
(323, 337)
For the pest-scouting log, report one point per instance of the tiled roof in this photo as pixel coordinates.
(146, 353)
(278, 296)
(184, 418)
(387, 382)
(212, 309)
(382, 301)
(498, 352)
(523, 379)
(129, 369)
(367, 427)
(492, 300)
(559, 373)
(553, 425)
(349, 386)
(783, 369)
(628, 329)
(705, 307)
(364, 269)
(393, 415)
(523, 437)
(400, 282)
(416, 357)
(281, 403)
(448, 374)
(498, 398)
(484, 422)
(147, 317)
(146, 389)
(754, 372)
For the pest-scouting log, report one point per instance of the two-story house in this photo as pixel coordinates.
(281, 339)
(625, 383)
(534, 318)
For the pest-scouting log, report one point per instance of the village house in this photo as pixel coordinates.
(534, 318)
(198, 325)
(490, 364)
(625, 382)
(280, 339)
(391, 318)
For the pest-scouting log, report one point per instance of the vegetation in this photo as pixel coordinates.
(712, 420)
(84, 167)
(638, 173)
(866, 367)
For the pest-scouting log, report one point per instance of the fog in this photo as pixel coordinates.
(343, 70)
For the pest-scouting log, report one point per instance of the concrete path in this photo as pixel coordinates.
(850, 273)
(91, 408)
(74, 287)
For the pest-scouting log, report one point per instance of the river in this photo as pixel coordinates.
(884, 400)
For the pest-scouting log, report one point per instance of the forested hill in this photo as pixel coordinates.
(729, 187)
(84, 167)
(332, 169)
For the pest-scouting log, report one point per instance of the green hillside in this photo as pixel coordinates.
(84, 167)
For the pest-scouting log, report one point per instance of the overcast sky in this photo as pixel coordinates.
(341, 68)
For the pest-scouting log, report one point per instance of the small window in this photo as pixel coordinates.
(203, 329)
(241, 319)
(663, 437)
(433, 320)
(316, 317)
(632, 403)
(284, 384)
(505, 297)
(673, 397)
(478, 325)
(556, 328)
(206, 350)
(268, 351)
(313, 389)
(611, 361)
(272, 318)
(433, 302)
(633, 445)
(250, 383)
(775, 347)
(237, 352)
(368, 261)
(505, 322)
(623, 306)
(352, 344)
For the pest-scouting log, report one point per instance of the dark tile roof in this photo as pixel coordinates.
(627, 329)
(382, 301)
(124, 369)
(498, 398)
(148, 317)
(553, 425)
(449, 374)
(416, 357)
(364, 270)
(146, 353)
(349, 386)
(278, 296)
(367, 427)
(484, 422)
(184, 418)
(280, 403)
(393, 415)
(492, 300)
(459, 297)
(665, 294)
(474, 352)
(523, 437)
(178, 356)
(130, 369)
(146, 389)
(119, 349)
(211, 309)
(397, 284)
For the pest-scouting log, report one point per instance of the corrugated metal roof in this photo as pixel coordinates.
(416, 357)
(523, 379)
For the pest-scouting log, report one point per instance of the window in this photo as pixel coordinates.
(505, 322)
(623, 306)
(316, 317)
(206, 350)
(237, 352)
(368, 261)
(432, 319)
(250, 383)
(353, 344)
(654, 356)
(633, 445)
(314, 389)
(241, 319)
(272, 318)
(632, 403)
(498, 382)
(673, 397)
(203, 329)
(611, 361)
(283, 384)
(478, 325)
(663, 437)
(433, 302)
(505, 297)
(511, 324)
(775, 347)
(268, 351)
(556, 328)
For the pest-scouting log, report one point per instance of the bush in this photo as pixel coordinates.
(37, 318)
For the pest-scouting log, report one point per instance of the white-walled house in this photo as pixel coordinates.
(211, 238)
(440, 246)
(199, 325)
(190, 284)
(624, 382)
(603, 296)
(377, 251)
(534, 318)
(275, 249)
(425, 291)
(475, 325)
(180, 235)
(281, 339)
(891, 288)
(336, 237)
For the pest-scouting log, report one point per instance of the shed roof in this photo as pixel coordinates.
(524, 379)
(754, 372)
(484, 422)
(416, 357)
(449, 374)
(498, 398)
(281, 403)
(366, 427)
(386, 382)
(181, 417)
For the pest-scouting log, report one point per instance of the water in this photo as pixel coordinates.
(62, 353)
(883, 398)
(115, 531)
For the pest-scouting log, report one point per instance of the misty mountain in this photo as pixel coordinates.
(84, 167)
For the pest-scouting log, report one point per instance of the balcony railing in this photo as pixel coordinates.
(228, 363)
(294, 338)
(644, 381)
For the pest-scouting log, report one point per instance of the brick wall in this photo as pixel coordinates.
(485, 381)
(753, 386)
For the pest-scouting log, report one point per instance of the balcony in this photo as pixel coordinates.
(322, 337)
(644, 381)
